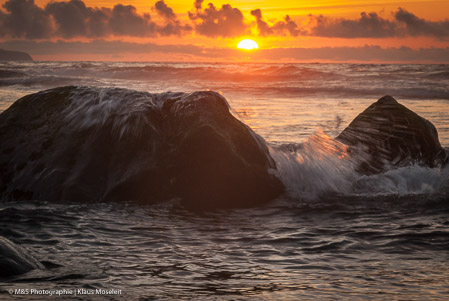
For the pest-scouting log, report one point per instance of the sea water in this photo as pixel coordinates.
(334, 235)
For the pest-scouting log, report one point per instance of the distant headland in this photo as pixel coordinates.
(6, 55)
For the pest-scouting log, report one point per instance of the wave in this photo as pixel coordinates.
(271, 89)
(278, 80)
(318, 166)
(322, 166)
(42, 81)
(11, 73)
(342, 91)
(216, 73)
(439, 75)
(256, 72)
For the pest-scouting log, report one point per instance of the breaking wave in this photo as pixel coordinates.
(282, 80)
(321, 166)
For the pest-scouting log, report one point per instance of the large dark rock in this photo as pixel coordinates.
(6, 55)
(388, 135)
(92, 144)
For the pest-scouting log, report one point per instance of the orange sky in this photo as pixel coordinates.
(431, 29)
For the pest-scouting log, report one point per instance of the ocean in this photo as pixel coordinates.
(333, 235)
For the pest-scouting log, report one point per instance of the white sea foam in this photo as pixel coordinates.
(318, 166)
(321, 166)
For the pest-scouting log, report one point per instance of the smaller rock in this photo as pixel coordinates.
(15, 260)
(387, 134)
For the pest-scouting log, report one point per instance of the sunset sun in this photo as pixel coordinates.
(247, 44)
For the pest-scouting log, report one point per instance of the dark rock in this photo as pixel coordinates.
(387, 135)
(15, 260)
(218, 153)
(6, 55)
(92, 144)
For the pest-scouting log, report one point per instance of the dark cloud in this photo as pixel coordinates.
(68, 19)
(287, 26)
(262, 26)
(367, 26)
(125, 21)
(164, 10)
(415, 26)
(197, 4)
(371, 25)
(224, 22)
(97, 22)
(172, 26)
(73, 19)
(24, 19)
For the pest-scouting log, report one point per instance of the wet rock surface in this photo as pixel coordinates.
(93, 144)
(388, 135)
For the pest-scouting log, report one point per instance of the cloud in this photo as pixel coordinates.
(25, 19)
(371, 25)
(164, 10)
(197, 4)
(367, 53)
(262, 26)
(95, 47)
(224, 22)
(287, 26)
(173, 26)
(68, 19)
(125, 21)
(102, 48)
(367, 26)
(73, 19)
(415, 26)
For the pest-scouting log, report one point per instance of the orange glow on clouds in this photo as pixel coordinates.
(430, 9)
(271, 22)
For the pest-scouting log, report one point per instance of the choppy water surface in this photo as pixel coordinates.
(385, 238)
(339, 248)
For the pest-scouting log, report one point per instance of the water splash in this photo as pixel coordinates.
(322, 165)
(410, 180)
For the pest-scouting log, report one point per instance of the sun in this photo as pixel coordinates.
(247, 44)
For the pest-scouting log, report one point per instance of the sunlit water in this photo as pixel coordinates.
(386, 240)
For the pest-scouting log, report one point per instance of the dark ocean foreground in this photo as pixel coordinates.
(119, 194)
(338, 248)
